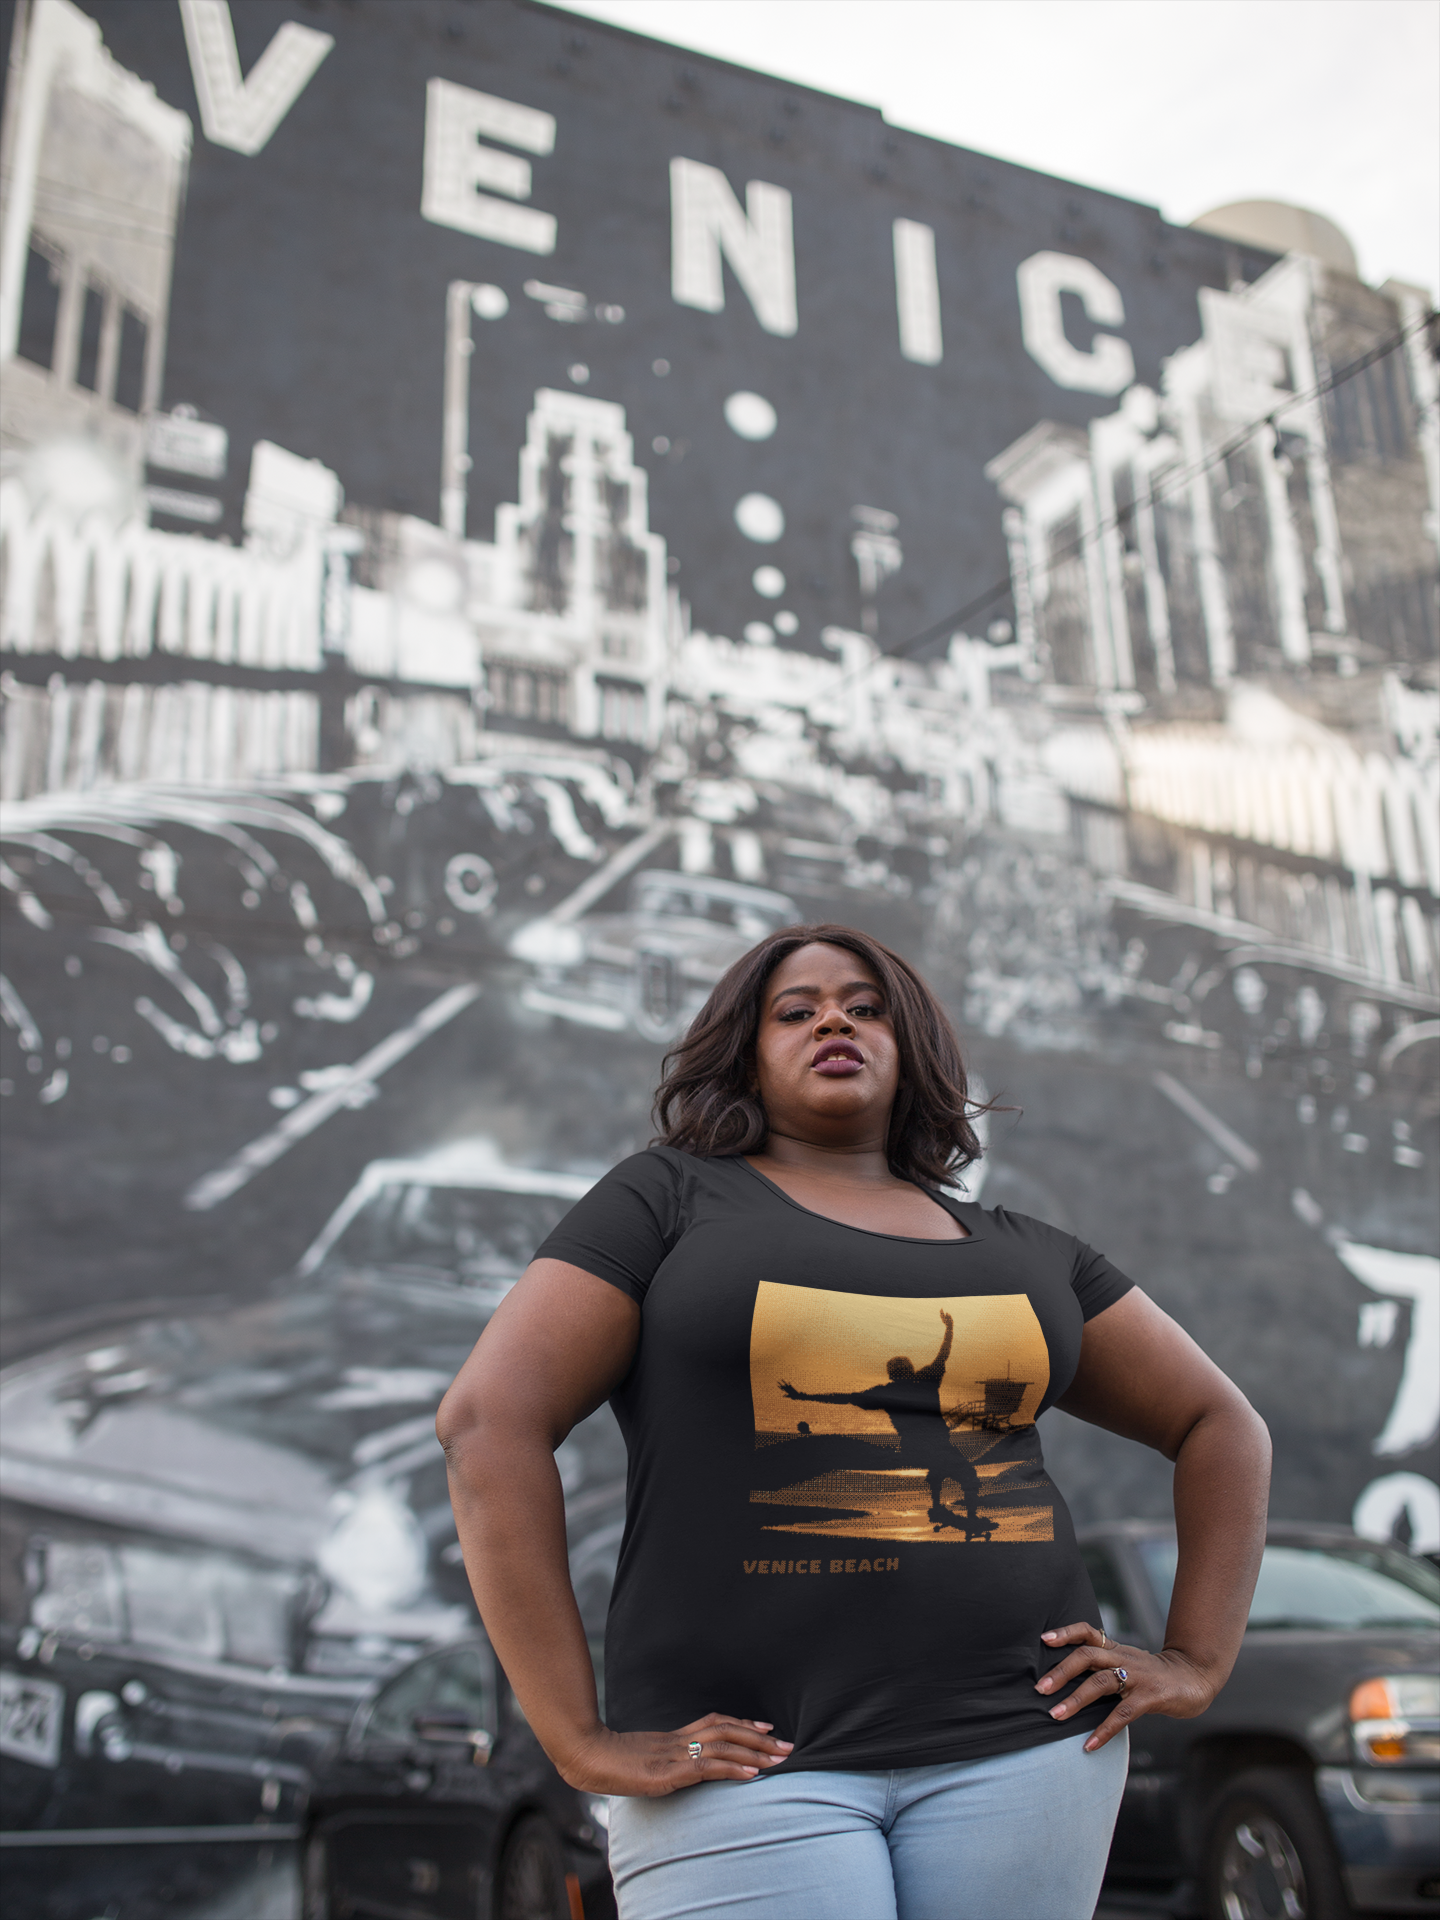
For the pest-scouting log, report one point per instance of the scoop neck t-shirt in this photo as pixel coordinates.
(838, 1517)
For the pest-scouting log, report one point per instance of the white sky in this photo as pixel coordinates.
(1184, 104)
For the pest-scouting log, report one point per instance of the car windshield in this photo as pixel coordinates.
(164, 1599)
(474, 1236)
(1344, 1588)
(391, 1715)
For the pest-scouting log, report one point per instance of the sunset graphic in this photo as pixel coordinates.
(885, 1419)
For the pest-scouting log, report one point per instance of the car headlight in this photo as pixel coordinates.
(549, 943)
(1396, 1718)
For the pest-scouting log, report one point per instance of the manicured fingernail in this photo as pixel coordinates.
(1050, 1635)
(750, 1771)
(788, 1745)
(1091, 1746)
(1044, 1686)
(763, 1725)
(1059, 1713)
(773, 1759)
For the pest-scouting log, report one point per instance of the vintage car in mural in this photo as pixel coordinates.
(232, 918)
(816, 849)
(205, 923)
(222, 1528)
(464, 856)
(876, 862)
(439, 1803)
(649, 965)
(1312, 1782)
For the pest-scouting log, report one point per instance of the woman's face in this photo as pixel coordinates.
(825, 1051)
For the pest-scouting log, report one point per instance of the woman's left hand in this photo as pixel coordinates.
(1165, 1682)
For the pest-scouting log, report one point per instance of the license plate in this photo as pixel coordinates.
(32, 1717)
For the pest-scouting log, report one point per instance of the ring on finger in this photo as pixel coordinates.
(696, 1752)
(1105, 1639)
(1121, 1676)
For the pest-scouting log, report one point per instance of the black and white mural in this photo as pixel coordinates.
(496, 515)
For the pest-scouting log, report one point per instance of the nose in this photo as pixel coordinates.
(833, 1019)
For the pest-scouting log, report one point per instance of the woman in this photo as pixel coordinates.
(874, 1618)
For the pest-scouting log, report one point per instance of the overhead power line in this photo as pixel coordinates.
(1172, 482)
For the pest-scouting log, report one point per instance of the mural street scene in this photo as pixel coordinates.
(462, 583)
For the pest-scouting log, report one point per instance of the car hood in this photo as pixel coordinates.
(1299, 1682)
(199, 1424)
(157, 1469)
(267, 1427)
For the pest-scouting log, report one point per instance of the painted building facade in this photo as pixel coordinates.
(459, 586)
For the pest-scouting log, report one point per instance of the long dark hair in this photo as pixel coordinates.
(707, 1103)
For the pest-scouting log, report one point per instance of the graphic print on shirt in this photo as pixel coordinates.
(886, 1419)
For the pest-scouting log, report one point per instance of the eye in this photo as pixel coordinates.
(869, 1009)
(792, 1014)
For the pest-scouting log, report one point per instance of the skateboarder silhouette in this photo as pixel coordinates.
(910, 1401)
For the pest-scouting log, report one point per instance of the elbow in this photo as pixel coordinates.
(449, 1423)
(1231, 1421)
(1250, 1430)
(474, 1453)
(485, 1436)
(1264, 1450)
(458, 1422)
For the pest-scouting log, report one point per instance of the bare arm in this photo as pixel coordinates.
(557, 1346)
(830, 1399)
(936, 1368)
(1142, 1376)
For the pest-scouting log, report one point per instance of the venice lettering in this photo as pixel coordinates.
(710, 229)
(818, 1566)
(708, 222)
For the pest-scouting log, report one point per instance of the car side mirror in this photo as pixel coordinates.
(451, 1727)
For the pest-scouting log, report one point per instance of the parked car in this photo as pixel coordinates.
(222, 1528)
(439, 1804)
(1311, 1785)
(650, 965)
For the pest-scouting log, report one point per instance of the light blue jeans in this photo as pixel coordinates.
(1018, 1836)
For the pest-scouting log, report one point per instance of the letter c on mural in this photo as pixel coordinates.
(1109, 365)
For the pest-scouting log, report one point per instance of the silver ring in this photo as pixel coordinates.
(1121, 1675)
(697, 1752)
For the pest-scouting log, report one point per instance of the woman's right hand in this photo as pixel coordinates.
(649, 1765)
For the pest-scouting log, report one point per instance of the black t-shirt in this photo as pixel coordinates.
(838, 1517)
